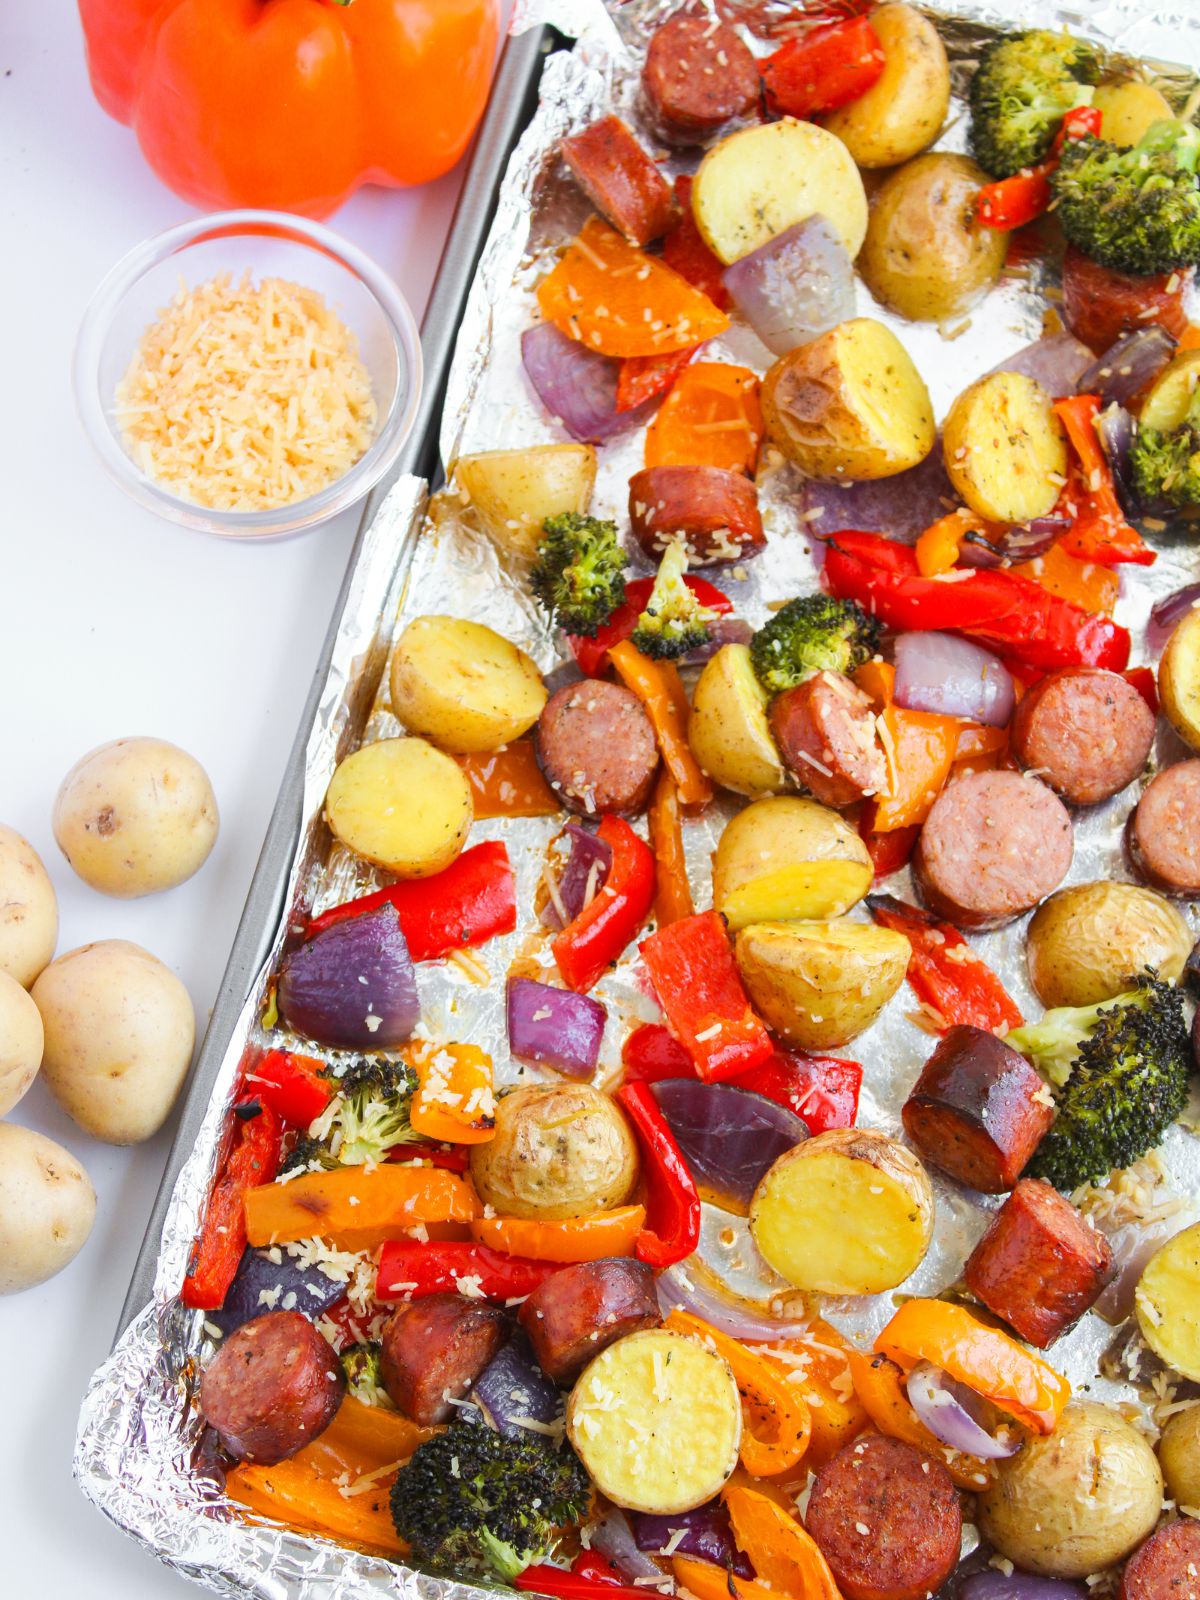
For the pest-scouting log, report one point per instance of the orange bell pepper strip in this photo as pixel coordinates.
(672, 891)
(784, 1555)
(659, 687)
(587, 1238)
(777, 1422)
(817, 1366)
(1189, 339)
(454, 1101)
(919, 746)
(986, 1360)
(356, 1208)
(705, 1581)
(710, 418)
(937, 548)
(509, 783)
(1085, 584)
(615, 299)
(979, 747)
(879, 1385)
(1100, 532)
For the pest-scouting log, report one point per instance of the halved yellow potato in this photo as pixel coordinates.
(763, 180)
(849, 1212)
(402, 805)
(820, 983)
(464, 686)
(1128, 109)
(902, 112)
(1171, 395)
(1167, 1302)
(728, 729)
(788, 859)
(514, 491)
(657, 1421)
(1005, 449)
(1179, 679)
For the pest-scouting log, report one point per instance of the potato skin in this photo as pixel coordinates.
(463, 686)
(1076, 1501)
(1179, 1456)
(1005, 450)
(28, 909)
(402, 805)
(560, 1150)
(47, 1207)
(21, 1042)
(926, 255)
(1086, 942)
(903, 111)
(135, 816)
(514, 491)
(785, 858)
(818, 984)
(119, 1036)
(1179, 679)
(728, 728)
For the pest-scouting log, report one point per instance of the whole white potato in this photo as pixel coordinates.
(21, 1040)
(28, 909)
(119, 1035)
(47, 1207)
(136, 816)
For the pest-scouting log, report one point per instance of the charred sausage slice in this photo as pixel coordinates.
(433, 1349)
(273, 1387)
(621, 180)
(826, 732)
(698, 75)
(1099, 305)
(714, 512)
(581, 1310)
(596, 746)
(1085, 732)
(1163, 832)
(1167, 1567)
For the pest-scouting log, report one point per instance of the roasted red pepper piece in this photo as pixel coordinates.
(1143, 680)
(254, 1149)
(1014, 202)
(450, 1157)
(587, 947)
(592, 654)
(410, 1268)
(822, 1090)
(651, 1054)
(823, 69)
(473, 900)
(888, 851)
(700, 990)
(672, 1229)
(642, 378)
(1099, 531)
(944, 971)
(587, 1564)
(573, 1585)
(295, 1087)
(685, 251)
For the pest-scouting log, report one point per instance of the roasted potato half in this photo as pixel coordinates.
(1179, 679)
(402, 805)
(728, 729)
(1179, 1456)
(1088, 942)
(817, 984)
(1167, 1302)
(902, 112)
(1005, 450)
(785, 859)
(514, 491)
(463, 686)
(1166, 405)
(1128, 109)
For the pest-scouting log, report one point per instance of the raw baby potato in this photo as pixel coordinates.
(903, 110)
(514, 491)
(560, 1150)
(1179, 679)
(21, 1042)
(926, 254)
(47, 1207)
(849, 1212)
(464, 687)
(818, 984)
(787, 859)
(1167, 1302)
(1005, 450)
(136, 816)
(850, 405)
(1179, 1456)
(28, 909)
(657, 1421)
(761, 181)
(1128, 109)
(119, 1036)
(728, 729)
(1087, 943)
(1076, 1501)
(401, 804)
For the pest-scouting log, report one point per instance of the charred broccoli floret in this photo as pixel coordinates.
(473, 1502)
(1024, 86)
(369, 1113)
(579, 573)
(813, 634)
(674, 622)
(1165, 462)
(1135, 210)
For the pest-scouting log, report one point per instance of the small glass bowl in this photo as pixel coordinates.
(267, 244)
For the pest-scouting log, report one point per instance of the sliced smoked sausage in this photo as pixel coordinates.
(1039, 1266)
(620, 180)
(433, 1349)
(273, 1387)
(581, 1310)
(994, 844)
(1167, 1567)
(1084, 731)
(1163, 832)
(887, 1519)
(713, 511)
(596, 746)
(698, 75)
(1099, 305)
(826, 732)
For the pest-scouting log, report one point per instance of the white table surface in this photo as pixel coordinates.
(114, 623)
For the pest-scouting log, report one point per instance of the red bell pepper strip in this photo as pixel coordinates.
(672, 1228)
(410, 1268)
(642, 378)
(587, 1564)
(822, 1090)
(473, 900)
(823, 69)
(253, 1160)
(296, 1088)
(651, 1054)
(1099, 531)
(1029, 624)
(943, 969)
(1143, 680)
(1014, 202)
(888, 851)
(686, 253)
(701, 993)
(450, 1157)
(563, 1585)
(592, 654)
(587, 947)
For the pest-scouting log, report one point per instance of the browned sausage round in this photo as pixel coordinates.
(596, 747)
(272, 1387)
(1163, 833)
(978, 1110)
(1099, 305)
(826, 733)
(698, 74)
(579, 1311)
(994, 844)
(887, 1519)
(433, 1350)
(620, 180)
(1085, 732)
(1167, 1567)
(1039, 1266)
(714, 512)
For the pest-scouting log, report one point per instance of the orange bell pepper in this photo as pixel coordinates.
(659, 687)
(879, 1385)
(1100, 532)
(292, 105)
(509, 783)
(356, 1208)
(1084, 583)
(705, 1581)
(817, 1366)
(710, 418)
(588, 1238)
(979, 747)
(920, 749)
(986, 1360)
(1189, 339)
(937, 548)
(784, 1555)
(462, 1072)
(672, 891)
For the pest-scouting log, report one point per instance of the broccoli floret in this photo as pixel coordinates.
(1137, 210)
(473, 1502)
(674, 622)
(1165, 463)
(813, 634)
(368, 1114)
(364, 1374)
(1024, 86)
(579, 573)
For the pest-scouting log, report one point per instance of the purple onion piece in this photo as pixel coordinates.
(1056, 362)
(353, 985)
(1191, 976)
(1127, 366)
(725, 630)
(257, 1273)
(512, 1391)
(994, 1585)
(1166, 614)
(554, 1027)
(729, 1137)
(577, 385)
(1014, 544)
(902, 506)
(954, 677)
(683, 1288)
(942, 1406)
(796, 286)
(613, 1537)
(1115, 430)
(589, 862)
(706, 1535)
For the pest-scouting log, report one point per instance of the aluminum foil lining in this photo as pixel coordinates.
(139, 1428)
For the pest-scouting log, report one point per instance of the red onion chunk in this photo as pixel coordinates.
(1056, 362)
(902, 506)
(1014, 544)
(554, 1027)
(725, 630)
(577, 385)
(729, 1137)
(706, 1535)
(683, 1288)
(796, 286)
(954, 677)
(942, 1407)
(258, 1274)
(589, 863)
(1168, 613)
(353, 985)
(613, 1537)
(1115, 430)
(1129, 365)
(512, 1391)
(995, 1585)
